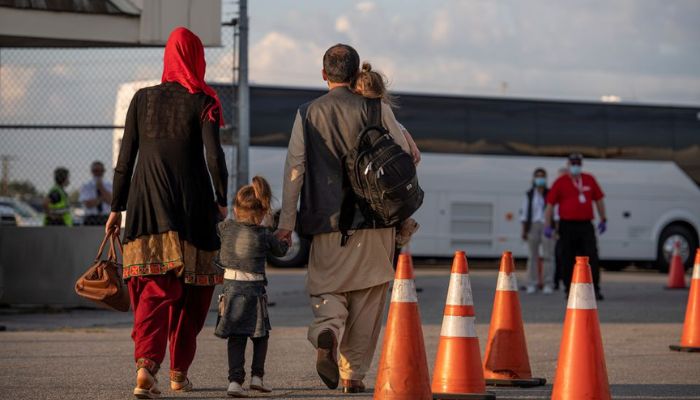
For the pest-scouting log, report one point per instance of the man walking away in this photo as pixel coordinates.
(96, 196)
(347, 283)
(575, 194)
(532, 218)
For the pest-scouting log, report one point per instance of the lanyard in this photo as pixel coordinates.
(578, 183)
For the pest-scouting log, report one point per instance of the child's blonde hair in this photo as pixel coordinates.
(252, 201)
(373, 85)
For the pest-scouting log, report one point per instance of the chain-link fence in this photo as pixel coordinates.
(66, 108)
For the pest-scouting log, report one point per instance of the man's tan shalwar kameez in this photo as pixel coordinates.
(347, 284)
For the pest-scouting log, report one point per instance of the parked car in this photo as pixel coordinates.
(7, 216)
(22, 213)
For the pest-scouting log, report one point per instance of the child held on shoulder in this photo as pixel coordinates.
(373, 85)
(245, 244)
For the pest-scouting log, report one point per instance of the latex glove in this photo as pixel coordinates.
(602, 227)
(548, 232)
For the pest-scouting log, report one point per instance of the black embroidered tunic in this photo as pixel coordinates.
(173, 188)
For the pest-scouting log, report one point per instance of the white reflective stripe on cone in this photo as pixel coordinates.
(696, 271)
(404, 291)
(507, 282)
(459, 292)
(457, 326)
(581, 297)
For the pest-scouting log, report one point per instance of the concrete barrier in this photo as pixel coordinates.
(39, 265)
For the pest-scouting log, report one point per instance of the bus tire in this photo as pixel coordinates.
(615, 266)
(669, 235)
(297, 255)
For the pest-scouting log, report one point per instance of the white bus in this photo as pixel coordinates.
(479, 155)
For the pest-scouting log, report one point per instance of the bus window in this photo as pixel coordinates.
(686, 141)
(567, 128)
(640, 133)
(437, 124)
(502, 127)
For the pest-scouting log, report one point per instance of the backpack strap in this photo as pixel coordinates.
(374, 112)
(349, 204)
(347, 215)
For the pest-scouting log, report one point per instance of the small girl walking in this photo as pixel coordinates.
(245, 243)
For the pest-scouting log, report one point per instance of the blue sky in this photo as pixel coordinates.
(640, 50)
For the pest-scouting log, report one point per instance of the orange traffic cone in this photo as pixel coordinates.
(676, 272)
(458, 373)
(403, 367)
(506, 362)
(690, 341)
(581, 372)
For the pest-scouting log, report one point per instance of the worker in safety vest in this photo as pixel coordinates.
(56, 203)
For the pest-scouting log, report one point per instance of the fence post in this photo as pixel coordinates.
(243, 96)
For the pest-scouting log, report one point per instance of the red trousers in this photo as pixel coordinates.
(165, 309)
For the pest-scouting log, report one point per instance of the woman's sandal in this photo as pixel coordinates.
(146, 385)
(179, 382)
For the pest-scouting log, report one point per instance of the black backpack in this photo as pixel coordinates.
(382, 177)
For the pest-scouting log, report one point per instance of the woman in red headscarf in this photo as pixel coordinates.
(172, 209)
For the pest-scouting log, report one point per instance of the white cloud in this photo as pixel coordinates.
(281, 59)
(441, 27)
(13, 96)
(61, 70)
(342, 24)
(641, 50)
(365, 6)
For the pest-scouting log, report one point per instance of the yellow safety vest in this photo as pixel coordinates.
(60, 209)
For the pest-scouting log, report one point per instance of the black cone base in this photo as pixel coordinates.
(684, 348)
(455, 396)
(523, 383)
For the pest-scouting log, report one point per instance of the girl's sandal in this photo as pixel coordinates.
(179, 382)
(146, 385)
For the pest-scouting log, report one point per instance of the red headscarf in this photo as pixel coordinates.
(184, 63)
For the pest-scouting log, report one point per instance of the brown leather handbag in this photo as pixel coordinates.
(102, 282)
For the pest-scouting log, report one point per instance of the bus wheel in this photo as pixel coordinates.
(669, 236)
(615, 265)
(297, 255)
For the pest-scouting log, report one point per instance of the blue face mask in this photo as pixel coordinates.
(575, 169)
(540, 181)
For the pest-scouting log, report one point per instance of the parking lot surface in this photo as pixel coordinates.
(86, 354)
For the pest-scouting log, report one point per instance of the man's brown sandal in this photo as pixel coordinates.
(353, 386)
(327, 360)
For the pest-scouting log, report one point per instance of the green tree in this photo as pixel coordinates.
(23, 189)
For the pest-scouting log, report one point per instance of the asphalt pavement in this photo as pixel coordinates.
(87, 354)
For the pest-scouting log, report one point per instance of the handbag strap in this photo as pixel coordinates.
(102, 246)
(112, 255)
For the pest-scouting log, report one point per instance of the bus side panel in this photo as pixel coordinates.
(467, 223)
(426, 241)
(629, 232)
(508, 226)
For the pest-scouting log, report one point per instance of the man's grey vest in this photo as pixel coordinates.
(331, 125)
